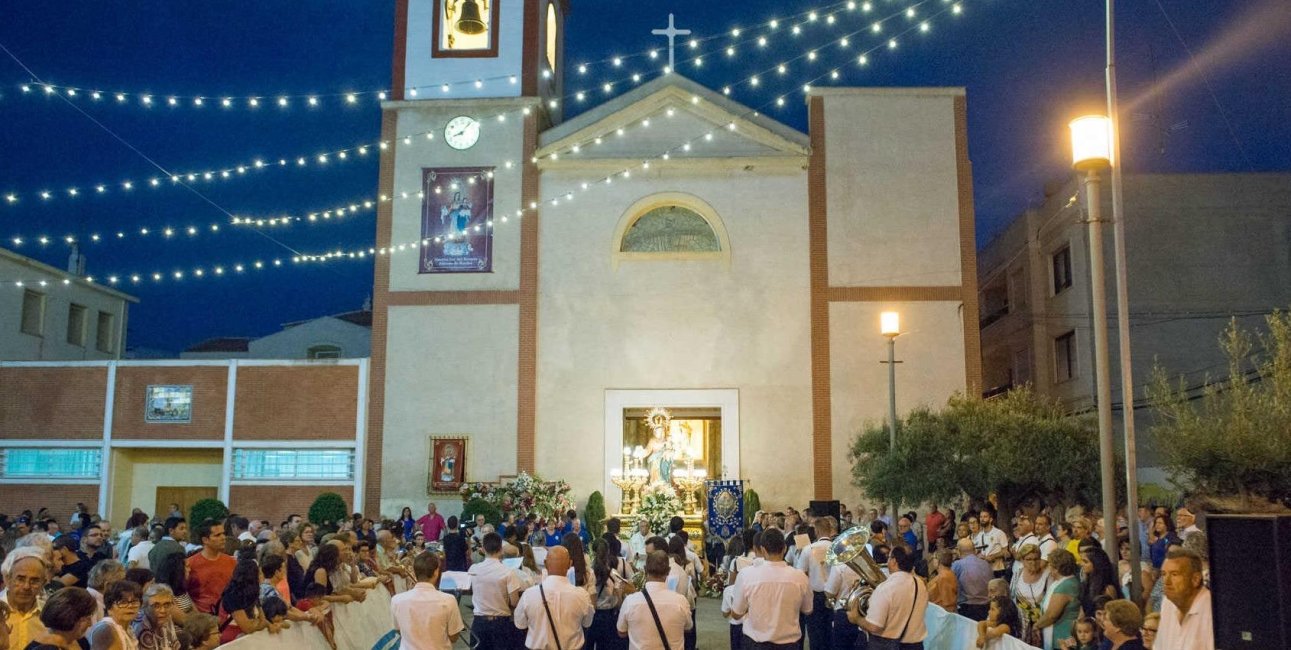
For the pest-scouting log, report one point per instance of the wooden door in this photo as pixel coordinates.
(184, 496)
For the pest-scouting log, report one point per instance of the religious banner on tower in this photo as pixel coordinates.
(456, 220)
(725, 508)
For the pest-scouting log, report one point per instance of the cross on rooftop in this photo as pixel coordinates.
(672, 33)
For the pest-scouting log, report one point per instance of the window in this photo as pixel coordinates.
(324, 352)
(293, 464)
(76, 325)
(1064, 357)
(1061, 270)
(42, 463)
(670, 229)
(465, 28)
(106, 333)
(33, 313)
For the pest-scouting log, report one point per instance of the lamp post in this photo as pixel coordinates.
(1091, 152)
(890, 326)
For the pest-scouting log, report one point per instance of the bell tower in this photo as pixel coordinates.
(474, 83)
(455, 49)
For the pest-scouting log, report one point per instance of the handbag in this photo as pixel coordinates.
(883, 643)
(555, 634)
(658, 625)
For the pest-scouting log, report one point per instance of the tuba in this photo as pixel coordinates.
(849, 549)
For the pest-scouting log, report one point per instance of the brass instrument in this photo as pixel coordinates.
(849, 549)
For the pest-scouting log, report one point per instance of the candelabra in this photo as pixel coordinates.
(624, 483)
(688, 481)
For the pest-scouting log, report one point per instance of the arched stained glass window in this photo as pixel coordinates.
(670, 229)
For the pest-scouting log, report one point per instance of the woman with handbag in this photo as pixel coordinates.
(609, 594)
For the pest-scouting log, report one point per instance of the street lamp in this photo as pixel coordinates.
(890, 326)
(1091, 152)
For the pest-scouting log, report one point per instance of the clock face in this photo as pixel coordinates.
(462, 132)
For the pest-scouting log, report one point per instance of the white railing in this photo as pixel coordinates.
(358, 627)
(947, 631)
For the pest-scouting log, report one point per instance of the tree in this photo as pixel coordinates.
(1018, 446)
(594, 514)
(1234, 438)
(328, 510)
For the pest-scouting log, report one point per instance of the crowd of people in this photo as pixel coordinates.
(164, 583)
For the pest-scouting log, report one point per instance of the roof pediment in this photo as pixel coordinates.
(662, 117)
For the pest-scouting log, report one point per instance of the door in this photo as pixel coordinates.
(184, 496)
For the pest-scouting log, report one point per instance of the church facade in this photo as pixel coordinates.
(552, 280)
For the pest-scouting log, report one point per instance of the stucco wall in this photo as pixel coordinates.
(422, 71)
(677, 324)
(52, 344)
(452, 371)
(355, 341)
(137, 473)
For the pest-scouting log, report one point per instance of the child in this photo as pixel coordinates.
(737, 622)
(275, 611)
(313, 602)
(1002, 618)
(1084, 636)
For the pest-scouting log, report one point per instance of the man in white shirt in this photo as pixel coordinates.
(1044, 535)
(636, 544)
(137, 557)
(637, 623)
(991, 542)
(495, 590)
(1185, 522)
(897, 605)
(770, 597)
(1026, 535)
(554, 608)
(426, 618)
(839, 585)
(1186, 622)
(812, 562)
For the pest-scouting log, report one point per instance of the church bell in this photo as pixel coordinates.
(470, 21)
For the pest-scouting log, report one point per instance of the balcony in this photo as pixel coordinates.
(992, 316)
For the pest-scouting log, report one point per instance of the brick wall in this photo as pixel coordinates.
(60, 499)
(65, 403)
(275, 502)
(210, 385)
(296, 403)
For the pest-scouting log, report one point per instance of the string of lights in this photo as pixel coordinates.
(315, 161)
(349, 99)
(417, 245)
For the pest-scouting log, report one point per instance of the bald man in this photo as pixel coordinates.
(973, 574)
(554, 608)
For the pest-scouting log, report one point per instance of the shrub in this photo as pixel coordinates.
(752, 504)
(474, 507)
(594, 514)
(328, 511)
(206, 509)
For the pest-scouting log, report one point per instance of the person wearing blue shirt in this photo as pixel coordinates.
(551, 534)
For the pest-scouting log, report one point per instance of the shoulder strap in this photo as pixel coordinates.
(658, 625)
(555, 634)
(913, 601)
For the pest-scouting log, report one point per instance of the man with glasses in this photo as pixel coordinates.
(1185, 523)
(25, 574)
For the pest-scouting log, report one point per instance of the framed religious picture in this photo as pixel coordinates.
(169, 404)
(457, 212)
(447, 469)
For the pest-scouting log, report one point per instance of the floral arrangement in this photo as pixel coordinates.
(522, 495)
(711, 586)
(659, 503)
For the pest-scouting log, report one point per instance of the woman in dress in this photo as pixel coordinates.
(121, 602)
(608, 595)
(1028, 591)
(66, 617)
(407, 523)
(1062, 602)
(240, 602)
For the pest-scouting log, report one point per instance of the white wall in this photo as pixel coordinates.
(677, 324)
(892, 188)
(52, 345)
(137, 473)
(451, 370)
(355, 341)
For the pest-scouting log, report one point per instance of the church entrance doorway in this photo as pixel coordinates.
(670, 433)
